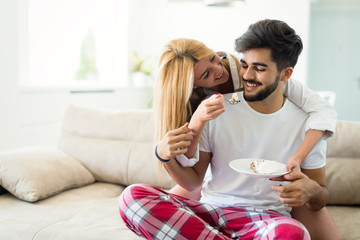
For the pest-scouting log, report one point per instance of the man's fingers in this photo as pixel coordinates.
(293, 175)
(283, 189)
(277, 188)
(281, 179)
(291, 202)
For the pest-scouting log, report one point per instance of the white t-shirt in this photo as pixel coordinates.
(241, 132)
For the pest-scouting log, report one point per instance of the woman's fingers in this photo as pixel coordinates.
(175, 141)
(181, 130)
(214, 102)
(214, 111)
(217, 102)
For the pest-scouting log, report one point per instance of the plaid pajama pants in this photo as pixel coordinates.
(155, 214)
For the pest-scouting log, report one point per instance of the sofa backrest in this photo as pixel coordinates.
(346, 141)
(343, 164)
(116, 146)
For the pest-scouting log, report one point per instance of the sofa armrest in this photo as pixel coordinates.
(35, 173)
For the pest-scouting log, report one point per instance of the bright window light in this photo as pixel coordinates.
(77, 43)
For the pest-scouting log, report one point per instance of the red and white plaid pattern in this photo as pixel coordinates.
(155, 214)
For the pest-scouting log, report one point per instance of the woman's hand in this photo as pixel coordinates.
(294, 163)
(175, 142)
(209, 109)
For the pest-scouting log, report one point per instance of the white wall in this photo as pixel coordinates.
(334, 56)
(218, 27)
(32, 117)
(8, 72)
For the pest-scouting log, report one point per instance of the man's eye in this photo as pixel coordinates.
(244, 66)
(260, 69)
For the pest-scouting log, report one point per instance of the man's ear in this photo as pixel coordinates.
(286, 73)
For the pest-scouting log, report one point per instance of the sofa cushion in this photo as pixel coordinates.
(84, 213)
(347, 220)
(36, 173)
(343, 180)
(115, 145)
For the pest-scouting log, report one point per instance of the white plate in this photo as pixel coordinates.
(243, 166)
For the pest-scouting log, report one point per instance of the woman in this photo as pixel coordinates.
(189, 72)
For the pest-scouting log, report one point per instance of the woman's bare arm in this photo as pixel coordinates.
(209, 109)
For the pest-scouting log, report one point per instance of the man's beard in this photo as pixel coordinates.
(262, 94)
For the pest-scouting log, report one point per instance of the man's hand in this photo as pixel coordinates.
(299, 191)
(175, 142)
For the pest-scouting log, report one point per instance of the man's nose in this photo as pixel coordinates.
(248, 74)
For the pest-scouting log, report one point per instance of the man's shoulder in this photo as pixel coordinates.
(291, 106)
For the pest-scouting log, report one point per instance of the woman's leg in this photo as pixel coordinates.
(155, 214)
(319, 223)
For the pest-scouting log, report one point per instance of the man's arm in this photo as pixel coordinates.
(306, 188)
(320, 198)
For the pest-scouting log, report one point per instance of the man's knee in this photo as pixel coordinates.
(288, 228)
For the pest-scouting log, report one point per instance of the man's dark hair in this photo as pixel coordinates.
(282, 40)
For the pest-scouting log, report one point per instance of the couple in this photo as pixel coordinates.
(264, 124)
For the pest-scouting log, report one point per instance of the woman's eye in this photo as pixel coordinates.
(206, 75)
(212, 58)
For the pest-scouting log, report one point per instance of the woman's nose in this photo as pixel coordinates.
(218, 69)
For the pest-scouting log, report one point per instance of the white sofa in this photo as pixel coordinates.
(71, 191)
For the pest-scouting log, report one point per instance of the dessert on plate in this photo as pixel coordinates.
(260, 166)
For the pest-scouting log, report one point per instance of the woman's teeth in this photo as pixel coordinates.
(220, 75)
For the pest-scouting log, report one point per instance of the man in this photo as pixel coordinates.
(265, 125)
(319, 222)
(261, 125)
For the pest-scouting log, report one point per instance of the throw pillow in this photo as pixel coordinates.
(36, 173)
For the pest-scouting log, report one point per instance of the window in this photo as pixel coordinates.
(80, 43)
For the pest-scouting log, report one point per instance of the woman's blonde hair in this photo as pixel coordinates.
(174, 83)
